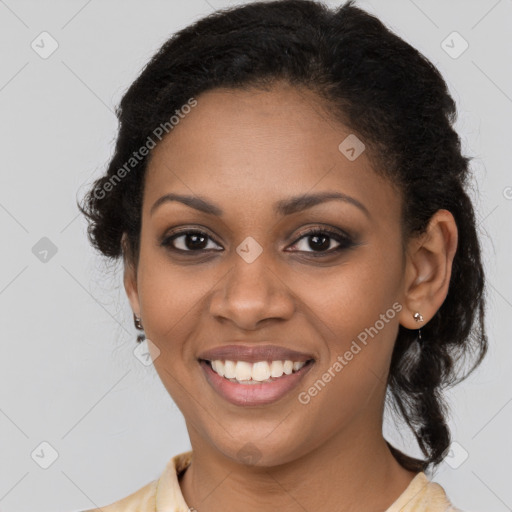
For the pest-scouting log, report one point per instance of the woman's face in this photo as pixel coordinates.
(253, 277)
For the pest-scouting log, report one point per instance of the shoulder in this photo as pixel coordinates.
(423, 495)
(158, 495)
(140, 501)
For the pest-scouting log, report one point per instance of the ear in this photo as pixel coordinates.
(428, 269)
(130, 276)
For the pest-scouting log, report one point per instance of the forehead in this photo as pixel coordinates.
(262, 145)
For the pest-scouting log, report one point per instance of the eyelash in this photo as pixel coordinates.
(345, 241)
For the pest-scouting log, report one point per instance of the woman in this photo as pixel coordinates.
(288, 197)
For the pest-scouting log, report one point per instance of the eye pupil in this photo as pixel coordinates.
(196, 241)
(322, 245)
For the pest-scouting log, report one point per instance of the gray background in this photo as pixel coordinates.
(68, 374)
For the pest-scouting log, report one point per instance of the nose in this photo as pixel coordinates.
(251, 293)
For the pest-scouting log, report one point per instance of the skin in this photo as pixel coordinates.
(244, 150)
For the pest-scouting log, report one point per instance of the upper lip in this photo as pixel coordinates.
(254, 353)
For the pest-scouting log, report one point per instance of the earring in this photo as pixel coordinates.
(138, 325)
(137, 322)
(411, 357)
(419, 318)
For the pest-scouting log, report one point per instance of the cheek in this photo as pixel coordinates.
(170, 294)
(355, 311)
(171, 299)
(354, 314)
(349, 298)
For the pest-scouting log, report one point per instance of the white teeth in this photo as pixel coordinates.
(260, 371)
(288, 367)
(229, 369)
(218, 366)
(276, 369)
(243, 370)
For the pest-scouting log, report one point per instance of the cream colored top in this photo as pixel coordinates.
(164, 494)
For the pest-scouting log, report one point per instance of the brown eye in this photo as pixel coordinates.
(189, 241)
(322, 241)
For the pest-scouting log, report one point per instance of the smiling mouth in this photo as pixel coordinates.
(260, 372)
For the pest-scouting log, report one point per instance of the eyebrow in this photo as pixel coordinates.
(286, 206)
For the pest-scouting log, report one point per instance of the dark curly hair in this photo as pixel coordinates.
(388, 94)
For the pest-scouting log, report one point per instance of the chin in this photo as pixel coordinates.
(261, 452)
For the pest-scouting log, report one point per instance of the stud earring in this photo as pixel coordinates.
(137, 322)
(138, 325)
(419, 318)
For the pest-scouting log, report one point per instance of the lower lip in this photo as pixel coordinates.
(253, 394)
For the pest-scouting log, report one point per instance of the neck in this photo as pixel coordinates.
(338, 475)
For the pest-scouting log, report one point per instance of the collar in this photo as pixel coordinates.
(422, 495)
(169, 497)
